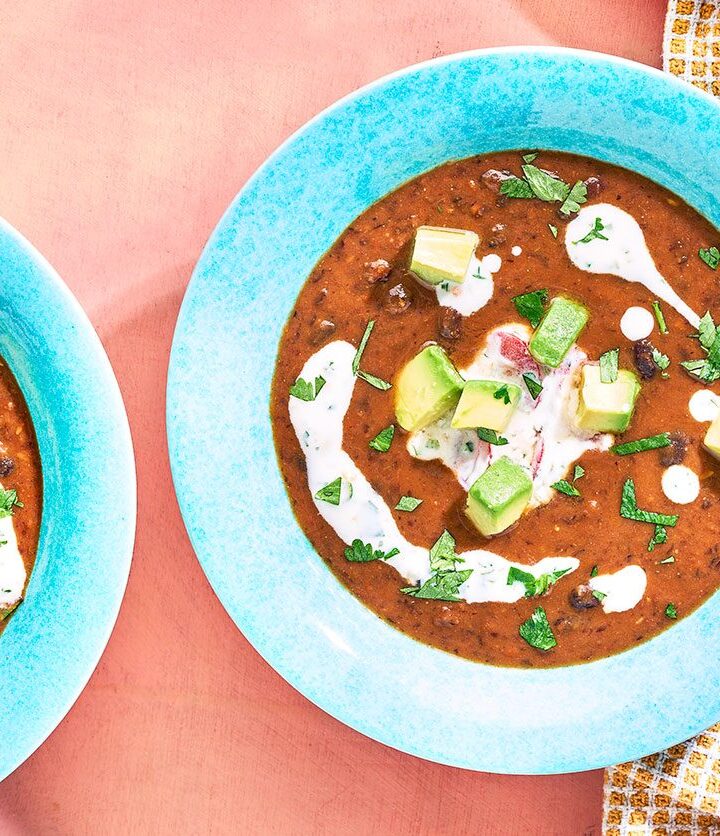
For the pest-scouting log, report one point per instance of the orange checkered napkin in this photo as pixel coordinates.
(691, 43)
(673, 793)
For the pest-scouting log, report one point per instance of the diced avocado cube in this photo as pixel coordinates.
(557, 331)
(711, 441)
(441, 254)
(605, 407)
(497, 499)
(486, 403)
(426, 387)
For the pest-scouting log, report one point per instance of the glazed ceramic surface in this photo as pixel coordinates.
(55, 639)
(270, 580)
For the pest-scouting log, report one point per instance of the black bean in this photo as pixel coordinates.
(582, 597)
(450, 324)
(377, 271)
(643, 358)
(594, 186)
(321, 331)
(6, 466)
(675, 453)
(493, 179)
(398, 299)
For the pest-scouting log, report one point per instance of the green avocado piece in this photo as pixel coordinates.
(711, 442)
(486, 403)
(557, 331)
(426, 387)
(441, 254)
(605, 407)
(497, 499)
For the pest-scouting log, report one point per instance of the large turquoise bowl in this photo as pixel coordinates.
(55, 639)
(276, 588)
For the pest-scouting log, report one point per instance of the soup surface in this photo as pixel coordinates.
(613, 545)
(20, 495)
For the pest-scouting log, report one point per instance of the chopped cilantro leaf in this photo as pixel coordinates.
(609, 366)
(441, 587)
(533, 585)
(669, 559)
(598, 595)
(653, 442)
(706, 331)
(537, 631)
(8, 502)
(515, 187)
(442, 553)
(657, 310)
(578, 473)
(502, 393)
(544, 185)
(710, 256)
(383, 439)
(4, 613)
(671, 611)
(528, 158)
(408, 503)
(361, 347)
(578, 195)
(484, 434)
(305, 390)
(563, 486)
(432, 444)
(629, 509)
(595, 232)
(662, 361)
(534, 386)
(594, 572)
(377, 382)
(531, 305)
(331, 492)
(553, 230)
(659, 537)
(360, 552)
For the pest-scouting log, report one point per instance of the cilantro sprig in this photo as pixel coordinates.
(491, 437)
(538, 183)
(534, 585)
(360, 552)
(305, 390)
(596, 232)
(630, 510)
(372, 379)
(640, 445)
(446, 580)
(383, 439)
(706, 369)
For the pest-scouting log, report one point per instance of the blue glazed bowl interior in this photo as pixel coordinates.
(278, 591)
(53, 642)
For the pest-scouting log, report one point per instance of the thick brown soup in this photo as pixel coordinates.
(21, 494)
(351, 285)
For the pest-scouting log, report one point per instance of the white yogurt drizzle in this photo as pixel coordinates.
(624, 253)
(362, 513)
(680, 484)
(623, 589)
(12, 567)
(704, 405)
(540, 434)
(475, 291)
(637, 323)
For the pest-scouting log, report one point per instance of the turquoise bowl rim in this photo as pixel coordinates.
(269, 579)
(56, 638)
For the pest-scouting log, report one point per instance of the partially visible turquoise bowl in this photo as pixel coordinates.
(270, 580)
(55, 639)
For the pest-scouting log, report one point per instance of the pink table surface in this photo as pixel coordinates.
(127, 128)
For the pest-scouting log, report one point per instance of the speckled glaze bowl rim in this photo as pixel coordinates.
(648, 705)
(55, 640)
